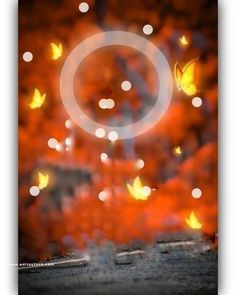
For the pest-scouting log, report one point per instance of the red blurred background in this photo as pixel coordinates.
(68, 213)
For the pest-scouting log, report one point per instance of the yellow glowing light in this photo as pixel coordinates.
(56, 50)
(177, 151)
(37, 99)
(184, 41)
(186, 79)
(193, 222)
(138, 191)
(43, 180)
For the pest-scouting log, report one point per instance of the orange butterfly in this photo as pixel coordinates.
(186, 79)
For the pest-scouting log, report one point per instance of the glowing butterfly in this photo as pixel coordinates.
(183, 40)
(193, 222)
(43, 180)
(138, 191)
(56, 50)
(177, 151)
(37, 99)
(186, 79)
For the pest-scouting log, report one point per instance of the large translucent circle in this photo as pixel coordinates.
(83, 49)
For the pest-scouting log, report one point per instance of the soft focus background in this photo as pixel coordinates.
(71, 210)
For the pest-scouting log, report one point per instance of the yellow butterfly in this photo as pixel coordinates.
(56, 50)
(184, 41)
(138, 191)
(177, 151)
(43, 180)
(37, 99)
(193, 222)
(186, 80)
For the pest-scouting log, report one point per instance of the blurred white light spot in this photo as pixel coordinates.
(58, 147)
(68, 141)
(34, 191)
(102, 103)
(126, 85)
(147, 29)
(196, 193)
(68, 124)
(140, 163)
(106, 103)
(110, 103)
(113, 136)
(146, 191)
(83, 7)
(87, 257)
(104, 157)
(52, 142)
(103, 195)
(100, 132)
(27, 56)
(196, 102)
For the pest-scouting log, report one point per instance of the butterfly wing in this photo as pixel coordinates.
(188, 222)
(130, 189)
(137, 185)
(35, 100)
(178, 75)
(56, 50)
(60, 49)
(43, 180)
(38, 98)
(189, 78)
(190, 89)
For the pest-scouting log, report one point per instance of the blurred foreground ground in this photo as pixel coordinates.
(181, 266)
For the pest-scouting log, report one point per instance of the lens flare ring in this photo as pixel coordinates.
(83, 49)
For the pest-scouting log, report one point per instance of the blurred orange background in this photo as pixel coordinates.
(69, 213)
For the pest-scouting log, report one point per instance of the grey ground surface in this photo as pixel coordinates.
(166, 269)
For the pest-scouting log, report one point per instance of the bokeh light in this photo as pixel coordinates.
(104, 157)
(52, 143)
(139, 163)
(126, 85)
(27, 56)
(83, 7)
(196, 102)
(34, 191)
(148, 29)
(100, 132)
(196, 193)
(113, 136)
(68, 124)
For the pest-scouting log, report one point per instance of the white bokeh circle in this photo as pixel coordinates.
(196, 193)
(27, 56)
(122, 38)
(34, 191)
(196, 102)
(126, 85)
(83, 7)
(148, 29)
